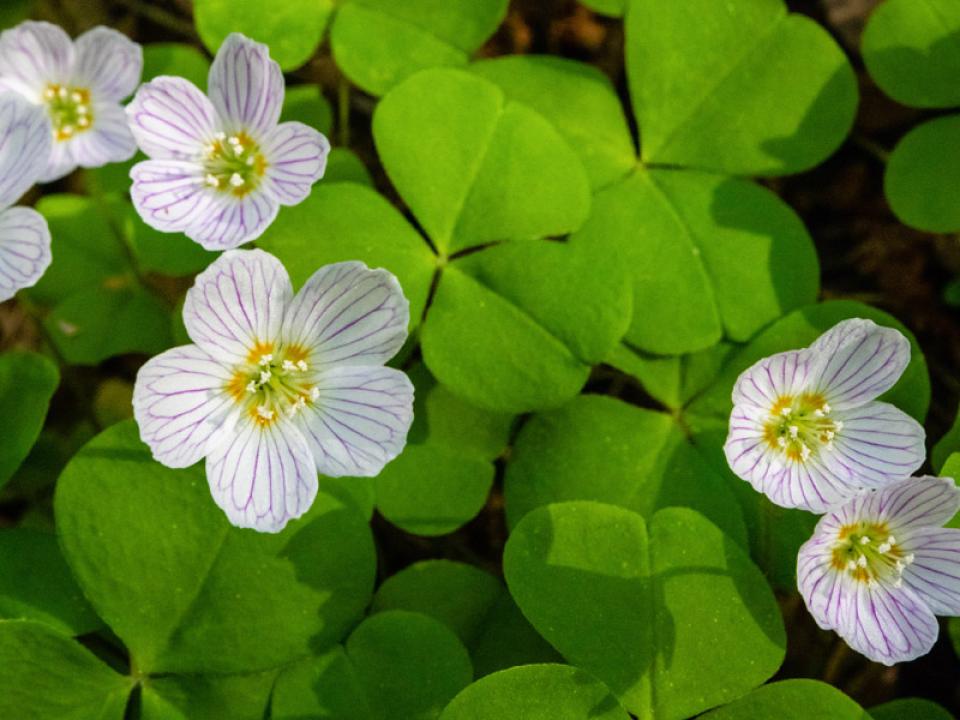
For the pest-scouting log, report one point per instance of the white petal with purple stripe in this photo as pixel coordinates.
(32, 55)
(246, 86)
(297, 159)
(108, 63)
(24, 249)
(229, 221)
(108, 141)
(171, 119)
(25, 140)
(170, 195)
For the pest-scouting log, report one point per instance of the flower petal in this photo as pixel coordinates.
(824, 590)
(879, 443)
(859, 361)
(934, 574)
(170, 195)
(32, 55)
(179, 402)
(108, 63)
(237, 304)
(360, 420)
(914, 503)
(767, 380)
(348, 314)
(25, 139)
(262, 476)
(230, 221)
(246, 86)
(108, 140)
(24, 249)
(887, 624)
(296, 158)
(171, 119)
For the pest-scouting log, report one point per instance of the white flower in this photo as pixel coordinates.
(880, 568)
(80, 84)
(278, 387)
(25, 141)
(221, 167)
(805, 429)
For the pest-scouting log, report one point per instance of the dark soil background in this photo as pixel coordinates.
(865, 254)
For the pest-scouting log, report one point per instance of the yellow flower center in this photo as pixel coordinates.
(234, 164)
(800, 425)
(868, 552)
(69, 109)
(273, 383)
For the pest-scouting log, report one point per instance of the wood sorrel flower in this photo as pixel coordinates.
(805, 429)
(879, 568)
(221, 167)
(24, 237)
(80, 84)
(278, 387)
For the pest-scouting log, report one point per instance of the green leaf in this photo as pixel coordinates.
(378, 43)
(798, 330)
(579, 100)
(345, 221)
(946, 446)
(672, 379)
(458, 595)
(166, 253)
(292, 28)
(186, 591)
(86, 250)
(47, 675)
(630, 608)
(306, 104)
(320, 688)
(95, 323)
(613, 8)
(536, 692)
(910, 709)
(409, 665)
(13, 12)
(791, 700)
(707, 255)
(36, 584)
(922, 169)
(345, 166)
(500, 335)
(600, 448)
(27, 382)
(198, 697)
(474, 166)
(508, 640)
(743, 88)
(179, 59)
(911, 51)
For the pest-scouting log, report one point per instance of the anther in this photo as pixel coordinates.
(288, 366)
(213, 180)
(314, 393)
(794, 431)
(825, 408)
(265, 376)
(62, 92)
(266, 359)
(76, 97)
(865, 540)
(251, 387)
(265, 412)
(804, 451)
(302, 365)
(236, 180)
(786, 412)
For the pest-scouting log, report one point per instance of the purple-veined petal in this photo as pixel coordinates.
(886, 624)
(934, 574)
(24, 249)
(296, 158)
(108, 64)
(171, 119)
(772, 378)
(857, 361)
(261, 476)
(823, 588)
(246, 86)
(359, 421)
(230, 221)
(107, 141)
(33, 55)
(170, 195)
(236, 305)
(60, 163)
(878, 443)
(25, 139)
(179, 402)
(914, 503)
(348, 314)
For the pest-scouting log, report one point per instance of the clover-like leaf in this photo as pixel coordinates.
(599, 448)
(186, 591)
(474, 166)
(791, 700)
(325, 687)
(744, 88)
(536, 692)
(910, 709)
(626, 603)
(707, 255)
(27, 382)
(190, 697)
(911, 50)
(306, 104)
(178, 59)
(46, 674)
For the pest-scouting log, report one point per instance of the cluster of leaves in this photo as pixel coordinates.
(540, 242)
